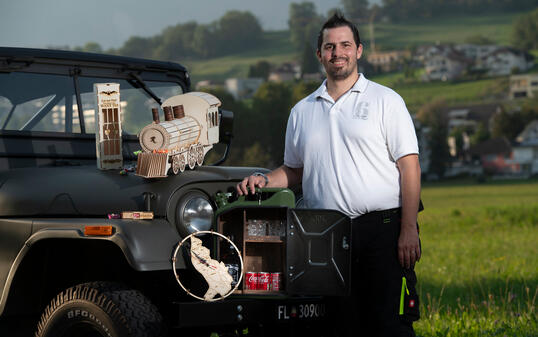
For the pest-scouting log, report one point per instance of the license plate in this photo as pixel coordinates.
(300, 311)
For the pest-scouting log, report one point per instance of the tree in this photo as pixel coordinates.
(255, 155)
(525, 31)
(510, 124)
(309, 61)
(303, 89)
(260, 69)
(203, 41)
(176, 42)
(458, 134)
(481, 134)
(432, 115)
(92, 47)
(304, 24)
(137, 46)
(235, 28)
(271, 106)
(356, 10)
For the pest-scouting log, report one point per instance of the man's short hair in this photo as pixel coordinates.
(338, 20)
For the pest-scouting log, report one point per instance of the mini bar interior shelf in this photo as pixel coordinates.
(259, 233)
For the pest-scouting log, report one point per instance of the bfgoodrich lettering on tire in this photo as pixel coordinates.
(100, 309)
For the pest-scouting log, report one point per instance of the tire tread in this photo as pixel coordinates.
(127, 307)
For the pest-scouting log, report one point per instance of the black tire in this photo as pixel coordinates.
(100, 309)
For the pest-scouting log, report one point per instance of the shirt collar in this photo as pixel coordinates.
(359, 86)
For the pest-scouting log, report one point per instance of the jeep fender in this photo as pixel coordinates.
(147, 245)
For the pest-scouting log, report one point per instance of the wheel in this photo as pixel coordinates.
(200, 155)
(175, 164)
(182, 162)
(100, 309)
(192, 157)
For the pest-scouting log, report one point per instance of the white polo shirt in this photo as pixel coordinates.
(348, 149)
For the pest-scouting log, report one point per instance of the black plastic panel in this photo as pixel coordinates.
(318, 252)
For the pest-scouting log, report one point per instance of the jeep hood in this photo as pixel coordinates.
(87, 191)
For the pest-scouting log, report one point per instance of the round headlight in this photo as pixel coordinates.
(194, 213)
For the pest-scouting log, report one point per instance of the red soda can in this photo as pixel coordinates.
(264, 281)
(276, 281)
(251, 280)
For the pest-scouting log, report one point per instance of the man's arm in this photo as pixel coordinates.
(408, 244)
(283, 176)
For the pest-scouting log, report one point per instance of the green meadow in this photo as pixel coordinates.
(417, 94)
(478, 275)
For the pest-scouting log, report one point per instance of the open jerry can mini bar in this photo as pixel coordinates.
(308, 249)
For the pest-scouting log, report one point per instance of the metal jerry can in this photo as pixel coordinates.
(309, 248)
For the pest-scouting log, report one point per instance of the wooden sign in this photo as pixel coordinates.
(108, 126)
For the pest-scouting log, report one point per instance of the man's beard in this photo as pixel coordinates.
(341, 73)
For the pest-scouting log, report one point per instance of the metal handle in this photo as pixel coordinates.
(345, 245)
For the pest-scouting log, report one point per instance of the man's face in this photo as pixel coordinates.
(339, 53)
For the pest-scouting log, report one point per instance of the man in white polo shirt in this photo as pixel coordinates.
(353, 146)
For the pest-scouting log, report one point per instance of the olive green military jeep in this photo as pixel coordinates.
(70, 267)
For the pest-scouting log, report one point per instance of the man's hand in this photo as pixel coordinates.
(281, 177)
(408, 246)
(251, 182)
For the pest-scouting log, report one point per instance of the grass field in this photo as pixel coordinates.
(451, 29)
(275, 48)
(417, 94)
(479, 272)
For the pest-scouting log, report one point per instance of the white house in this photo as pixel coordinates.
(526, 151)
(475, 51)
(242, 87)
(447, 65)
(504, 61)
(288, 71)
(522, 86)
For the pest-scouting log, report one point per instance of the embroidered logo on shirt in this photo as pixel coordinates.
(362, 111)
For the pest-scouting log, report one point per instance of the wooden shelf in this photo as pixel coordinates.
(264, 252)
(264, 239)
(261, 292)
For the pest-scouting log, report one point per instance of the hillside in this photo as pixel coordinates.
(277, 48)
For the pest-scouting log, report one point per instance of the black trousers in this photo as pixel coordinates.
(381, 303)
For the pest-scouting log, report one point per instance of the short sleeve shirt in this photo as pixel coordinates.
(348, 149)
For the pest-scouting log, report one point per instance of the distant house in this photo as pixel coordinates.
(446, 65)
(526, 150)
(285, 72)
(208, 84)
(475, 51)
(424, 52)
(522, 86)
(241, 88)
(315, 77)
(446, 62)
(388, 60)
(471, 116)
(496, 156)
(504, 61)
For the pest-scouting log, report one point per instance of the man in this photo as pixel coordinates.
(353, 146)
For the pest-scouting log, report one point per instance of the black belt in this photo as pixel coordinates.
(382, 216)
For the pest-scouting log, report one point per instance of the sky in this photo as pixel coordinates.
(46, 23)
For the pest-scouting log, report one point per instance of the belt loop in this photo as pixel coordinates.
(386, 215)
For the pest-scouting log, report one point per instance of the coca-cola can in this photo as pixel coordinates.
(276, 281)
(251, 280)
(264, 281)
